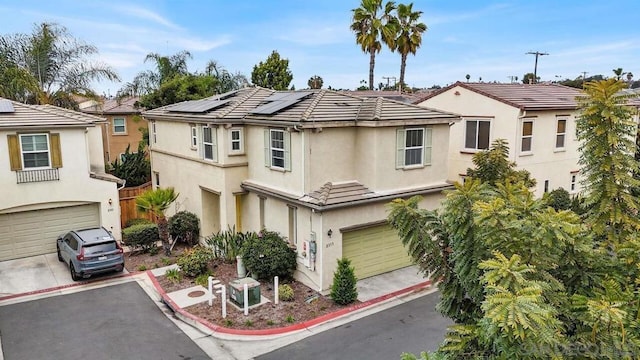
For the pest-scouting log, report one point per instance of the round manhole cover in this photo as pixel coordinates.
(195, 294)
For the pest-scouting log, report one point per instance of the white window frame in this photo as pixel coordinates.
(239, 141)
(270, 150)
(124, 126)
(154, 133)
(23, 152)
(573, 183)
(524, 137)
(561, 134)
(212, 144)
(194, 137)
(477, 134)
(402, 149)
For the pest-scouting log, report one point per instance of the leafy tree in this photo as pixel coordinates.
(343, 288)
(48, 66)
(493, 166)
(157, 202)
(167, 68)
(619, 73)
(409, 35)
(274, 73)
(225, 81)
(315, 82)
(370, 23)
(559, 199)
(530, 78)
(180, 88)
(135, 168)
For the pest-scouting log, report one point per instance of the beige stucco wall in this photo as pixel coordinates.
(544, 162)
(116, 143)
(75, 185)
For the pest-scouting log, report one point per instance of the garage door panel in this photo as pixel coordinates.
(31, 233)
(374, 251)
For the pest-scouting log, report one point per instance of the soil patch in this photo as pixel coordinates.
(139, 261)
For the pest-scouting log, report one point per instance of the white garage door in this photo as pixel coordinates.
(35, 232)
(374, 250)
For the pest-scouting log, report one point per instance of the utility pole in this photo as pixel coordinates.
(584, 78)
(535, 68)
(389, 78)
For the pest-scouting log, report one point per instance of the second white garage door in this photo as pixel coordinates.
(30, 233)
(374, 250)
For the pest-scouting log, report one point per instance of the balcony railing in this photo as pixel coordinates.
(29, 176)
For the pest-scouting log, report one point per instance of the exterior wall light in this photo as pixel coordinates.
(329, 233)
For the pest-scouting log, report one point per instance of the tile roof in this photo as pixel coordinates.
(523, 96)
(41, 116)
(333, 193)
(115, 106)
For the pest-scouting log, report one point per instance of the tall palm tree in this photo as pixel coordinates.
(167, 68)
(157, 202)
(49, 66)
(370, 26)
(409, 35)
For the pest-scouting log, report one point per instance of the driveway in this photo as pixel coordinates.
(112, 322)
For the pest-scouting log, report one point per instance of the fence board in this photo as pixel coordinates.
(128, 209)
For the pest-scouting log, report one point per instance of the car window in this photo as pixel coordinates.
(71, 241)
(99, 248)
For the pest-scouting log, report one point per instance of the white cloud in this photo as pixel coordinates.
(142, 13)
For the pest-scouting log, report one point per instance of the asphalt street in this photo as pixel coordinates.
(113, 322)
(412, 327)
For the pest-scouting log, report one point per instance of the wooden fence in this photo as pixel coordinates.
(128, 208)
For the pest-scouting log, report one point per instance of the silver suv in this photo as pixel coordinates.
(90, 251)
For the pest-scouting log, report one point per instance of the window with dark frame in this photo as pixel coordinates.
(527, 136)
(477, 134)
(561, 132)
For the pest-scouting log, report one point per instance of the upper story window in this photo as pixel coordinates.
(35, 151)
(527, 136)
(236, 141)
(119, 126)
(194, 137)
(209, 146)
(413, 147)
(561, 133)
(154, 136)
(277, 153)
(476, 135)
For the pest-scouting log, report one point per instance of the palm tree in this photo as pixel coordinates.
(370, 27)
(157, 202)
(409, 35)
(167, 68)
(49, 66)
(618, 73)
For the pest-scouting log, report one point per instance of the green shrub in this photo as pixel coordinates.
(195, 261)
(248, 323)
(185, 226)
(227, 245)
(141, 237)
(285, 292)
(203, 279)
(137, 221)
(290, 319)
(343, 289)
(559, 199)
(173, 275)
(142, 267)
(268, 255)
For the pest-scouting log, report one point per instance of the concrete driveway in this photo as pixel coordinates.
(35, 273)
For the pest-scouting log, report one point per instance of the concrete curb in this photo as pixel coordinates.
(207, 326)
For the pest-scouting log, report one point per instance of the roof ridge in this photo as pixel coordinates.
(307, 113)
(377, 114)
(59, 111)
(240, 101)
(325, 191)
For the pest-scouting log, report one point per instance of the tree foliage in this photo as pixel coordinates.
(273, 73)
(135, 167)
(315, 82)
(48, 66)
(493, 166)
(408, 38)
(343, 288)
(157, 202)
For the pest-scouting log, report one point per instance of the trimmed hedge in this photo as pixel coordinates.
(185, 225)
(268, 255)
(195, 261)
(141, 237)
(137, 221)
(343, 289)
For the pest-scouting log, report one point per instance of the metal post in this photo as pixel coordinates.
(224, 302)
(276, 290)
(210, 283)
(246, 299)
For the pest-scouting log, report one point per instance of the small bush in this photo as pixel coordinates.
(173, 275)
(228, 323)
(285, 292)
(559, 199)
(142, 268)
(343, 289)
(228, 244)
(137, 221)
(195, 261)
(165, 261)
(270, 322)
(290, 319)
(203, 279)
(248, 323)
(268, 255)
(185, 226)
(141, 237)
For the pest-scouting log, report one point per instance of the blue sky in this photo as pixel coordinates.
(486, 39)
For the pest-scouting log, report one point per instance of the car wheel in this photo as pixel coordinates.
(74, 274)
(59, 255)
(120, 268)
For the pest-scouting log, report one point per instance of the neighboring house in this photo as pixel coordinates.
(537, 120)
(404, 97)
(318, 166)
(52, 178)
(123, 125)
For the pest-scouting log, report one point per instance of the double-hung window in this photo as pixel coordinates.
(194, 137)
(527, 136)
(413, 147)
(277, 153)
(35, 151)
(119, 126)
(476, 135)
(154, 134)
(236, 142)
(209, 148)
(561, 133)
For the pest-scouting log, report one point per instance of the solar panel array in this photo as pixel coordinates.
(198, 106)
(279, 101)
(6, 107)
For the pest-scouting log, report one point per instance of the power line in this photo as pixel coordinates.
(535, 68)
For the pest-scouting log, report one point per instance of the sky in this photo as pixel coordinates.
(486, 39)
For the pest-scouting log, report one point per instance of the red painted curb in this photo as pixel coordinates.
(61, 287)
(286, 329)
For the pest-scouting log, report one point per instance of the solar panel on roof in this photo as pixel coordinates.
(198, 106)
(274, 106)
(6, 107)
(286, 95)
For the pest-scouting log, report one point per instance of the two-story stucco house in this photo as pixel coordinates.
(317, 166)
(52, 178)
(537, 120)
